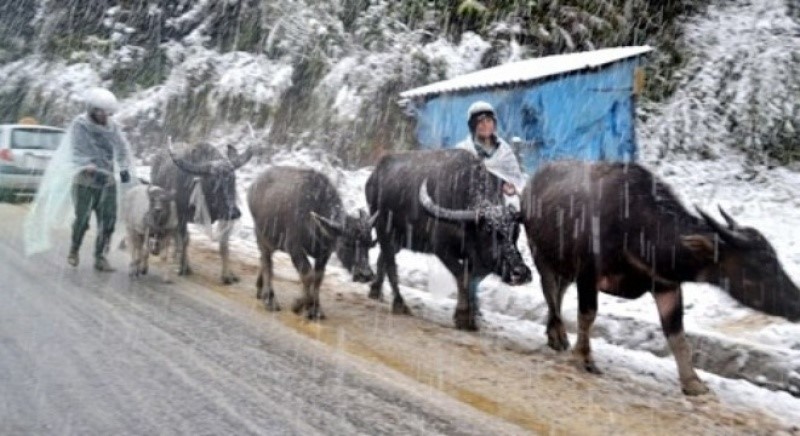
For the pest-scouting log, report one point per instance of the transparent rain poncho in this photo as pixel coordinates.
(52, 208)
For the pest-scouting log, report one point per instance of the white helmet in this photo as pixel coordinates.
(479, 107)
(101, 98)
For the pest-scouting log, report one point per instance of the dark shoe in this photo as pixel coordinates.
(101, 264)
(72, 258)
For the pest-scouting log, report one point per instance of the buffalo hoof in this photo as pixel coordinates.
(264, 293)
(588, 365)
(271, 305)
(298, 305)
(375, 293)
(315, 314)
(143, 271)
(399, 308)
(557, 339)
(694, 387)
(229, 279)
(466, 322)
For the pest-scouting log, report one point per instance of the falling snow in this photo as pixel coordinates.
(742, 54)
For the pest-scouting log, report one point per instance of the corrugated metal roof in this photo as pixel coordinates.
(531, 69)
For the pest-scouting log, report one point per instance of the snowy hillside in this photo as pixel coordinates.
(302, 72)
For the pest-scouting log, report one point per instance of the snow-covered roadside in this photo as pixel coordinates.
(654, 374)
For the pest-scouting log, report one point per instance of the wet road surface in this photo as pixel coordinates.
(91, 353)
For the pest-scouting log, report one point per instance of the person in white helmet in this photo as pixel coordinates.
(97, 144)
(82, 177)
(497, 155)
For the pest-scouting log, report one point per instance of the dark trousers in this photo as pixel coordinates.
(103, 201)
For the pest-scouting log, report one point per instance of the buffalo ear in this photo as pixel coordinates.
(701, 246)
(231, 152)
(329, 227)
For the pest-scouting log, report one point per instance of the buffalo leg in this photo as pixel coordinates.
(224, 251)
(134, 240)
(314, 306)
(553, 289)
(307, 277)
(376, 288)
(264, 289)
(183, 245)
(670, 310)
(587, 311)
(167, 275)
(464, 317)
(398, 304)
(144, 263)
(388, 266)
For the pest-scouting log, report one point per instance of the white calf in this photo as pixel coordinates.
(151, 219)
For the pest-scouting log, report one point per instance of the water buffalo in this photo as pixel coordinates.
(205, 184)
(151, 220)
(446, 203)
(618, 229)
(299, 211)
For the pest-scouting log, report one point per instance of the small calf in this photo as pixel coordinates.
(151, 219)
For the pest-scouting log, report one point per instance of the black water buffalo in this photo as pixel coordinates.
(446, 203)
(618, 229)
(204, 182)
(299, 211)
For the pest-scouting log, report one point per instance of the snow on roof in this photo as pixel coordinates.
(531, 69)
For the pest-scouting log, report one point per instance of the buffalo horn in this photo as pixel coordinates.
(189, 167)
(441, 212)
(238, 160)
(327, 222)
(373, 218)
(728, 235)
(732, 224)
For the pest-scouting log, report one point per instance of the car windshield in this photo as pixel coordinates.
(35, 139)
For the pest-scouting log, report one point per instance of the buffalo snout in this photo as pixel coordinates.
(154, 245)
(363, 275)
(520, 275)
(234, 214)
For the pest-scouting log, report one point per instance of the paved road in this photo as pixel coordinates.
(96, 354)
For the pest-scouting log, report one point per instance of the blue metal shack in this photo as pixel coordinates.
(578, 105)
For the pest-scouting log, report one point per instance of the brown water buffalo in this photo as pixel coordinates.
(299, 211)
(446, 203)
(618, 229)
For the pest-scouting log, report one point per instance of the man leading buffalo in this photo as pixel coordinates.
(82, 176)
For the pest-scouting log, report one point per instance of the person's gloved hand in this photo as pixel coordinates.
(124, 176)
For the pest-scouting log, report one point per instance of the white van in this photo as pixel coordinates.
(25, 151)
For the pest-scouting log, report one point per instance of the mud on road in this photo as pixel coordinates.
(541, 391)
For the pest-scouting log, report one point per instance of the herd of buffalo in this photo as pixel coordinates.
(608, 227)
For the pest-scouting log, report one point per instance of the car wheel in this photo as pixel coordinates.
(8, 196)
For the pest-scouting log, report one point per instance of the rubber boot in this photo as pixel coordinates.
(101, 264)
(72, 258)
(101, 248)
